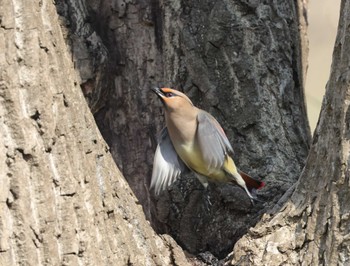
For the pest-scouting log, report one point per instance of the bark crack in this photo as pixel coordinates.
(38, 238)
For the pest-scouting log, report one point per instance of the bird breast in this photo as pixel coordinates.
(182, 130)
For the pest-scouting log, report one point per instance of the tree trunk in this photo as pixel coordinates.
(313, 226)
(240, 60)
(63, 200)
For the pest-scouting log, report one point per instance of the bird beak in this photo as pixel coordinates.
(159, 92)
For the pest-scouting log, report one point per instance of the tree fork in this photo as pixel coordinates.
(313, 226)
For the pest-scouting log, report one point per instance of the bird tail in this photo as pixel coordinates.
(251, 182)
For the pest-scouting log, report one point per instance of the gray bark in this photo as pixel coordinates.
(62, 199)
(240, 60)
(312, 227)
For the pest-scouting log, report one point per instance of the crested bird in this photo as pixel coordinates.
(194, 139)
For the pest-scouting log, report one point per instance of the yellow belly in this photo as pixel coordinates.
(193, 158)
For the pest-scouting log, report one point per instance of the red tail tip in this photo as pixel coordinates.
(262, 184)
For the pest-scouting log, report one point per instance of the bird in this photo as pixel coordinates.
(193, 139)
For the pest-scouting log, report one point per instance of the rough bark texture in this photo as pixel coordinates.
(313, 226)
(239, 60)
(62, 199)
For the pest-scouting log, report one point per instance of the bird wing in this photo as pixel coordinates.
(167, 166)
(212, 140)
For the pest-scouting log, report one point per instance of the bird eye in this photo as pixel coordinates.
(169, 94)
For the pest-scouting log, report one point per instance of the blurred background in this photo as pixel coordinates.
(323, 21)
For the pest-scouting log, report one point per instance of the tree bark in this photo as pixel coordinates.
(62, 199)
(240, 60)
(312, 227)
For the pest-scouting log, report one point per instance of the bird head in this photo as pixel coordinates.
(172, 100)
